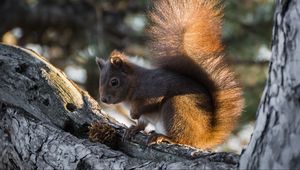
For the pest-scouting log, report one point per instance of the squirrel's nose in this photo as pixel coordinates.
(104, 99)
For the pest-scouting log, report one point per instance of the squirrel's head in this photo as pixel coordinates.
(115, 81)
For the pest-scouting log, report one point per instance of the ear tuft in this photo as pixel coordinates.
(100, 62)
(119, 60)
(116, 53)
(116, 61)
(116, 58)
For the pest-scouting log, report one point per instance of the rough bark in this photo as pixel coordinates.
(44, 119)
(275, 141)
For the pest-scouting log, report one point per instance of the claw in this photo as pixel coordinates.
(134, 115)
(130, 132)
(157, 139)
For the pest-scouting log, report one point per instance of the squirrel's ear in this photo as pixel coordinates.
(116, 61)
(100, 62)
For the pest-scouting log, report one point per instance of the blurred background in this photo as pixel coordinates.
(71, 33)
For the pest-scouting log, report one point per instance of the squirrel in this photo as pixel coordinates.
(190, 95)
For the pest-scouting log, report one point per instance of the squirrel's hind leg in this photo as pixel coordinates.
(156, 138)
(190, 116)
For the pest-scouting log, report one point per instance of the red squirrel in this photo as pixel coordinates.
(191, 95)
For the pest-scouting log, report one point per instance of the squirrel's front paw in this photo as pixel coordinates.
(135, 115)
(130, 132)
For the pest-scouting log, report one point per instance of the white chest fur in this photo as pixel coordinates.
(156, 120)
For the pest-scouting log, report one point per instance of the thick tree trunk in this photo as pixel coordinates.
(44, 119)
(275, 143)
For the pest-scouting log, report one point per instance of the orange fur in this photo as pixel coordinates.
(186, 39)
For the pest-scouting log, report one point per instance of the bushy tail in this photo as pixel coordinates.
(186, 38)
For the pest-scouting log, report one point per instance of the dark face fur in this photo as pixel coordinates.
(114, 83)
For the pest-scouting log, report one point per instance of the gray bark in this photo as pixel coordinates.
(44, 119)
(275, 143)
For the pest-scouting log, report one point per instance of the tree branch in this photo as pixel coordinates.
(44, 118)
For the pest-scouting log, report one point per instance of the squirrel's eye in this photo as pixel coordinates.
(114, 82)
